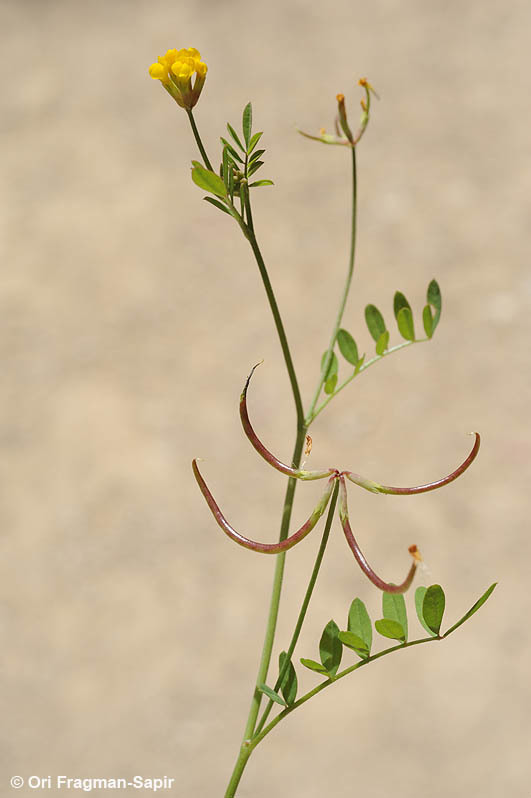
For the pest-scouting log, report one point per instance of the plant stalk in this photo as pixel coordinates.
(198, 141)
(311, 415)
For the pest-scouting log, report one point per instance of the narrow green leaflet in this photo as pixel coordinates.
(479, 603)
(271, 694)
(314, 666)
(375, 321)
(254, 167)
(391, 629)
(218, 204)
(433, 607)
(332, 366)
(433, 297)
(247, 123)
(330, 648)
(207, 180)
(254, 141)
(427, 320)
(226, 167)
(382, 343)
(330, 384)
(256, 155)
(359, 364)
(351, 640)
(261, 183)
(235, 136)
(394, 609)
(420, 592)
(288, 686)
(231, 149)
(399, 302)
(406, 327)
(347, 346)
(359, 622)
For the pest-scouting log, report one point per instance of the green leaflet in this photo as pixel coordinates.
(391, 629)
(332, 366)
(235, 136)
(375, 321)
(254, 141)
(399, 302)
(420, 592)
(231, 149)
(406, 327)
(359, 364)
(207, 180)
(427, 321)
(359, 622)
(433, 297)
(382, 343)
(218, 204)
(330, 384)
(288, 686)
(347, 346)
(254, 167)
(394, 609)
(271, 694)
(314, 666)
(330, 648)
(247, 123)
(479, 603)
(433, 607)
(351, 640)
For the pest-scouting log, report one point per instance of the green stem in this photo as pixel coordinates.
(248, 231)
(304, 607)
(259, 737)
(310, 417)
(245, 749)
(199, 143)
(265, 659)
(301, 425)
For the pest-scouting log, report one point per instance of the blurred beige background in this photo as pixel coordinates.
(131, 313)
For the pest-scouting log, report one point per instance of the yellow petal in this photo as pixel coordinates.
(158, 72)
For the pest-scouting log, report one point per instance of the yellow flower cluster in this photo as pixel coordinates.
(175, 70)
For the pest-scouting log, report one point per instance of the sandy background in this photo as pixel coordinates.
(131, 313)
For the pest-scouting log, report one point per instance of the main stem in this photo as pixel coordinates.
(286, 515)
(311, 415)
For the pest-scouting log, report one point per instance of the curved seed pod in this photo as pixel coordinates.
(264, 548)
(389, 587)
(374, 487)
(265, 453)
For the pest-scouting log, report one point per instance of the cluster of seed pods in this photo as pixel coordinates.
(332, 475)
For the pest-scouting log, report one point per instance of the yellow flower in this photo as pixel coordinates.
(175, 70)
